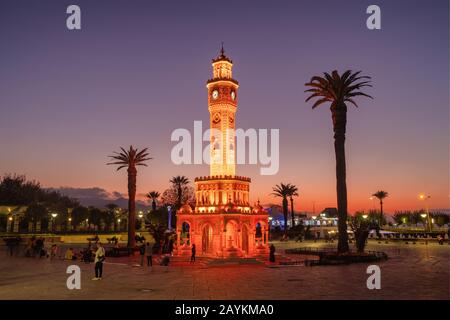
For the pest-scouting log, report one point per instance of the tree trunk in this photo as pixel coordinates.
(292, 212)
(339, 115)
(153, 205)
(381, 212)
(180, 195)
(132, 172)
(285, 213)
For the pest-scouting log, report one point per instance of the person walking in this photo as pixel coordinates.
(193, 251)
(149, 255)
(99, 258)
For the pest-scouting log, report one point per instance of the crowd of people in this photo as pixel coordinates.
(41, 248)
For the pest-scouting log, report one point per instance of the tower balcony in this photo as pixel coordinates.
(223, 177)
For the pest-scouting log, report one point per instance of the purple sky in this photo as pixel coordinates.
(137, 71)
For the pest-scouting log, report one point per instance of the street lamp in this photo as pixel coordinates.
(169, 213)
(425, 198)
(53, 215)
(364, 216)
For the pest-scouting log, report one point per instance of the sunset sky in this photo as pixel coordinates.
(137, 70)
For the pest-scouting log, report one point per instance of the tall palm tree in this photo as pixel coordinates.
(339, 90)
(380, 194)
(154, 195)
(179, 182)
(130, 159)
(292, 193)
(283, 190)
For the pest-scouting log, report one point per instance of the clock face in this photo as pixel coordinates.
(215, 94)
(233, 95)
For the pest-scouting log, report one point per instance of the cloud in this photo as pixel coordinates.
(97, 197)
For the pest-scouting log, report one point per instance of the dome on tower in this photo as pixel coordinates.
(186, 209)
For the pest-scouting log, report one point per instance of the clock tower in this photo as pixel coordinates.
(222, 105)
(223, 223)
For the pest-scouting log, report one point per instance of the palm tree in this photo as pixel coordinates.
(380, 194)
(179, 182)
(292, 193)
(283, 190)
(130, 159)
(338, 91)
(154, 195)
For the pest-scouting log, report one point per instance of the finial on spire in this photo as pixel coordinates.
(222, 51)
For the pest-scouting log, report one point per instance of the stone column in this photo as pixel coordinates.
(16, 225)
(8, 225)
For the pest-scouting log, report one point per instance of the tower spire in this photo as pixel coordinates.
(222, 51)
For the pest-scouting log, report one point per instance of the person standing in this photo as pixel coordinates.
(272, 253)
(149, 255)
(53, 251)
(142, 253)
(10, 243)
(99, 258)
(193, 251)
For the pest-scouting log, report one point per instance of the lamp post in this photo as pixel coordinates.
(425, 198)
(169, 213)
(52, 220)
(364, 216)
(141, 215)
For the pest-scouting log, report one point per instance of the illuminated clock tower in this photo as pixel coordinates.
(222, 105)
(223, 223)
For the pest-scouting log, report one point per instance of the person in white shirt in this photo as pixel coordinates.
(99, 258)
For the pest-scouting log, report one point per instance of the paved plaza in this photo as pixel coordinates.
(412, 272)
